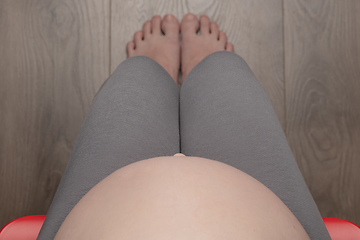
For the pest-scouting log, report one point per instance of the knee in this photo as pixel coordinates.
(228, 57)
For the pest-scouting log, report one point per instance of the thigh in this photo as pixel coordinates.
(134, 116)
(227, 116)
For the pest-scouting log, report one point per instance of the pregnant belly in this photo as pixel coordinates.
(179, 197)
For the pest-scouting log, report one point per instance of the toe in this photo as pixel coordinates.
(147, 28)
(170, 26)
(204, 25)
(156, 21)
(214, 29)
(130, 48)
(222, 37)
(189, 24)
(229, 47)
(138, 36)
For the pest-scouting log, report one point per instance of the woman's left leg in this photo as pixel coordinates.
(134, 116)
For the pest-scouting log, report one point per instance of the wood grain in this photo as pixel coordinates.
(253, 26)
(54, 57)
(322, 72)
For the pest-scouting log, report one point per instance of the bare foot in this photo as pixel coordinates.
(195, 48)
(164, 49)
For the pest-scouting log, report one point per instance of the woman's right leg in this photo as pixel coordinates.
(225, 115)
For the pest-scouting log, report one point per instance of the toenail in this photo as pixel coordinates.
(190, 17)
(168, 17)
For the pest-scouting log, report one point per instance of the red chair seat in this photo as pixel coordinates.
(340, 229)
(23, 228)
(28, 228)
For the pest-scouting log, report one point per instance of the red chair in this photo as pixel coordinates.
(340, 229)
(28, 227)
(24, 228)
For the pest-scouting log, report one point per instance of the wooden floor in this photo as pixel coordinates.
(56, 54)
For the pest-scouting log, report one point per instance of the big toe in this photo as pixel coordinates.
(189, 24)
(170, 26)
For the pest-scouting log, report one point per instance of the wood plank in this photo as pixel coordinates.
(54, 58)
(253, 26)
(322, 72)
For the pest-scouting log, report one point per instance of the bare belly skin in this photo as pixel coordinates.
(180, 198)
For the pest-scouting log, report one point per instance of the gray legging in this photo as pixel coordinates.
(221, 113)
